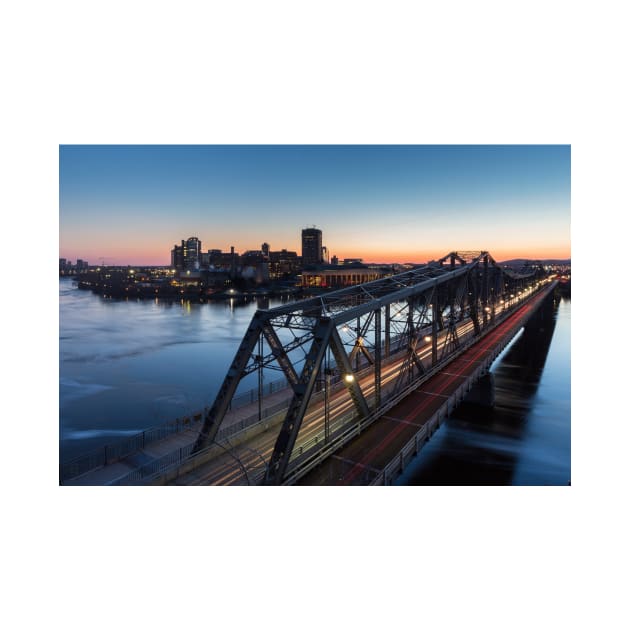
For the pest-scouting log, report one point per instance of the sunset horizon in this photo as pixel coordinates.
(129, 205)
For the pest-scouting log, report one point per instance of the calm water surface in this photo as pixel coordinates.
(129, 365)
(526, 438)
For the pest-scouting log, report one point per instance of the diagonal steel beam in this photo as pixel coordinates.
(279, 353)
(214, 417)
(416, 360)
(343, 363)
(299, 403)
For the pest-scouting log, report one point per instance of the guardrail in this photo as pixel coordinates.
(116, 451)
(397, 465)
(305, 462)
(125, 448)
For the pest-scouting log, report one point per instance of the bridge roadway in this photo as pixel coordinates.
(378, 455)
(239, 461)
(366, 459)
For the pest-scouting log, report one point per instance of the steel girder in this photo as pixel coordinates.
(388, 316)
(214, 417)
(297, 407)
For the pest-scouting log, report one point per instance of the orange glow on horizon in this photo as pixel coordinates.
(161, 256)
(424, 256)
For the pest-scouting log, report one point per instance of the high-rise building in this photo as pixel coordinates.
(265, 249)
(177, 258)
(192, 253)
(187, 256)
(311, 246)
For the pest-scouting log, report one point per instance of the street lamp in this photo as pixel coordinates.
(349, 378)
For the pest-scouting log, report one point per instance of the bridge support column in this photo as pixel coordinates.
(434, 330)
(482, 393)
(387, 330)
(377, 358)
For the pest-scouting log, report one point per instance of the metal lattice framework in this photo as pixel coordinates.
(367, 342)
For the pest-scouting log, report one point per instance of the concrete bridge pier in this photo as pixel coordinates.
(482, 393)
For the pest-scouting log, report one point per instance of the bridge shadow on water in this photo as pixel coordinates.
(482, 445)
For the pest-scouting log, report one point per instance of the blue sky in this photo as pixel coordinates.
(130, 204)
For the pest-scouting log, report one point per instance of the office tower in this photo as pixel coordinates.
(187, 256)
(191, 253)
(177, 257)
(311, 246)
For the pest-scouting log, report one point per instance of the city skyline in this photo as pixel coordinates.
(382, 203)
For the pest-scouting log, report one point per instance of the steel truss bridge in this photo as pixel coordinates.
(349, 355)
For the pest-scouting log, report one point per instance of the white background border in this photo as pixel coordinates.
(326, 72)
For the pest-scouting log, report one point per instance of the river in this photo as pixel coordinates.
(129, 365)
(525, 439)
(125, 366)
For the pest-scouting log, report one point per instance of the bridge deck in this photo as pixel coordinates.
(364, 459)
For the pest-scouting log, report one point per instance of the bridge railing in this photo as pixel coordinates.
(308, 458)
(395, 467)
(341, 428)
(117, 451)
(154, 467)
(177, 457)
(111, 453)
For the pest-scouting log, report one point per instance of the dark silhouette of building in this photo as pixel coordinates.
(283, 264)
(187, 256)
(311, 246)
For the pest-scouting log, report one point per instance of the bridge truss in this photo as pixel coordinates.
(360, 346)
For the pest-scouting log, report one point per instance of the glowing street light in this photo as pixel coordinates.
(349, 378)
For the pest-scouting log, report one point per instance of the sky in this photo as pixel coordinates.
(423, 72)
(129, 204)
